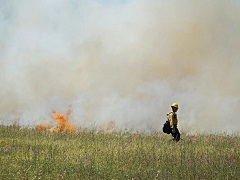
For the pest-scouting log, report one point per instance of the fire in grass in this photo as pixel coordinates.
(63, 125)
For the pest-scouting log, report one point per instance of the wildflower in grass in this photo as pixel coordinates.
(35, 154)
(7, 152)
(68, 169)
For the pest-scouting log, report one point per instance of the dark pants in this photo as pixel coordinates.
(168, 130)
(176, 134)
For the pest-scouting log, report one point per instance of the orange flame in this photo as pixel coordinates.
(63, 124)
(41, 127)
(135, 135)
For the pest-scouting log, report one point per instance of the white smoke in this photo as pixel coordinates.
(125, 61)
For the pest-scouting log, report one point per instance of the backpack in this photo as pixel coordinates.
(166, 127)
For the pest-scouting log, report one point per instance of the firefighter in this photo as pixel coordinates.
(173, 121)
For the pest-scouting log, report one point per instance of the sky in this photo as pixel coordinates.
(125, 61)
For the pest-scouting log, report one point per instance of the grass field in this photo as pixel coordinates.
(27, 153)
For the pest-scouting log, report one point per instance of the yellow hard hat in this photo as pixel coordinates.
(174, 105)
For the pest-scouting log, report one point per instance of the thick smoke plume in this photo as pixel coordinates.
(122, 60)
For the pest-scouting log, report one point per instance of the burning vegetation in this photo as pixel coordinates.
(63, 125)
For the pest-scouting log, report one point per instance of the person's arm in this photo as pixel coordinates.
(170, 118)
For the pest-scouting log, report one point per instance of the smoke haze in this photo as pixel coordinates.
(122, 60)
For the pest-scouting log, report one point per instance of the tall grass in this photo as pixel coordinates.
(87, 154)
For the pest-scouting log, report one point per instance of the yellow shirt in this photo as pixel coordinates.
(172, 118)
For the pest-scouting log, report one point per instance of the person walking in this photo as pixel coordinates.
(170, 127)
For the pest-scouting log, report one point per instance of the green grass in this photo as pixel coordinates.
(29, 154)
